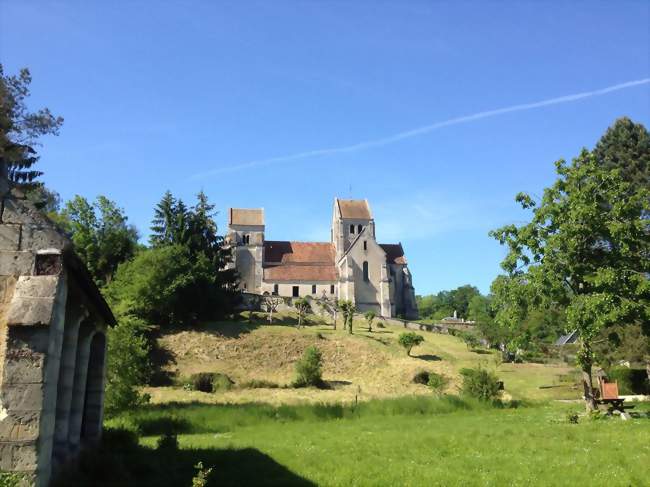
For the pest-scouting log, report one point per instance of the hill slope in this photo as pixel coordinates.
(364, 365)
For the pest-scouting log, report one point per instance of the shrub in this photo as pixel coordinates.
(308, 368)
(370, 316)
(11, 479)
(437, 382)
(258, 384)
(202, 474)
(572, 417)
(480, 384)
(630, 381)
(470, 340)
(409, 340)
(210, 382)
(128, 365)
(421, 377)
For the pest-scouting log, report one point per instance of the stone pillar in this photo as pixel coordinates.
(79, 389)
(384, 292)
(74, 316)
(91, 426)
(30, 374)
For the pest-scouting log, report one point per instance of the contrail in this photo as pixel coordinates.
(422, 130)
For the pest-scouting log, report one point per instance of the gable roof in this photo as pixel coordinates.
(394, 253)
(299, 261)
(246, 216)
(354, 209)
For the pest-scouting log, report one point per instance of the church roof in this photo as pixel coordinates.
(354, 209)
(246, 216)
(394, 253)
(299, 261)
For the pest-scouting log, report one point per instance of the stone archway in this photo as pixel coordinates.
(91, 424)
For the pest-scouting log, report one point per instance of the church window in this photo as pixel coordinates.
(359, 228)
(351, 228)
(365, 271)
(332, 289)
(295, 291)
(313, 288)
(275, 289)
(365, 245)
(247, 239)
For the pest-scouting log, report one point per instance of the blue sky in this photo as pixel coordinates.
(179, 94)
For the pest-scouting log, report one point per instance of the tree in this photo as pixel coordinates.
(101, 235)
(21, 129)
(370, 316)
(626, 146)
(329, 306)
(409, 340)
(303, 307)
(164, 226)
(308, 368)
(271, 304)
(128, 365)
(347, 310)
(470, 340)
(586, 249)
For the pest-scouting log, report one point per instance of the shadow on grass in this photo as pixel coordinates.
(125, 463)
(481, 351)
(428, 357)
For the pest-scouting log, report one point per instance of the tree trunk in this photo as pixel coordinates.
(588, 385)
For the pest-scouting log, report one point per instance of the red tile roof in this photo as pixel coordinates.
(299, 261)
(394, 253)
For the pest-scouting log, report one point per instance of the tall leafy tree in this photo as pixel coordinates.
(626, 146)
(587, 249)
(21, 129)
(101, 235)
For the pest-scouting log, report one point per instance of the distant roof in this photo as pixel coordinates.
(299, 261)
(246, 216)
(298, 252)
(568, 338)
(394, 253)
(354, 209)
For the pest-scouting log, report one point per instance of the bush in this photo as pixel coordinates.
(167, 443)
(480, 384)
(572, 417)
(421, 377)
(308, 368)
(630, 381)
(128, 365)
(258, 384)
(11, 479)
(409, 340)
(437, 382)
(210, 382)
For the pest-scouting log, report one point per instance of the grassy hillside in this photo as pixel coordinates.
(364, 365)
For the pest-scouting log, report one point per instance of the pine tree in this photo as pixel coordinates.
(163, 223)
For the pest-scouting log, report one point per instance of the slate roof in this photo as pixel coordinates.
(394, 253)
(354, 209)
(246, 216)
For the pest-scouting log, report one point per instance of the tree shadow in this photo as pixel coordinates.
(481, 352)
(428, 357)
(336, 384)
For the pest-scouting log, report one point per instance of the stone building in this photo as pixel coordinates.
(53, 323)
(352, 266)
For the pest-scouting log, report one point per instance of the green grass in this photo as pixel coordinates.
(406, 441)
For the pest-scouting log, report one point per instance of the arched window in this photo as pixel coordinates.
(359, 228)
(351, 228)
(365, 271)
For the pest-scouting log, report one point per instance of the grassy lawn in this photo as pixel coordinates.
(407, 441)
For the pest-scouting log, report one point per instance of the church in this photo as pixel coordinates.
(352, 266)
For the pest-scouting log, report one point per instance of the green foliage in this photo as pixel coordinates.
(421, 377)
(445, 303)
(128, 365)
(308, 368)
(587, 249)
(622, 343)
(370, 316)
(201, 477)
(480, 384)
(210, 382)
(572, 417)
(101, 235)
(630, 381)
(470, 340)
(258, 384)
(408, 340)
(626, 147)
(347, 309)
(437, 382)
(303, 306)
(21, 129)
(11, 479)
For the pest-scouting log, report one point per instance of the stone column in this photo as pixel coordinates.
(384, 292)
(94, 404)
(74, 316)
(79, 389)
(30, 375)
